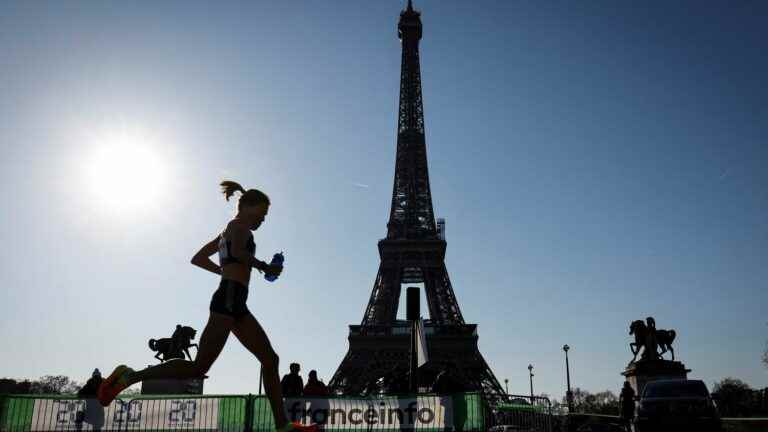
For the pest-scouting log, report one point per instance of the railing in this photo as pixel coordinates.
(404, 328)
(422, 413)
(521, 413)
(63, 413)
(585, 422)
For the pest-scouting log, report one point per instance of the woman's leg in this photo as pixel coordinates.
(211, 343)
(253, 337)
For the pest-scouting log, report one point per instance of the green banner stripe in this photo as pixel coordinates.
(468, 414)
(16, 414)
(232, 413)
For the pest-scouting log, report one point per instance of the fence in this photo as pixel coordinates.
(421, 413)
(524, 413)
(60, 413)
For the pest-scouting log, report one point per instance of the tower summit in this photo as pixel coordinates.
(413, 252)
(411, 214)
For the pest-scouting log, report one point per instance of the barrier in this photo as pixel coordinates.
(521, 412)
(463, 412)
(424, 413)
(583, 421)
(63, 413)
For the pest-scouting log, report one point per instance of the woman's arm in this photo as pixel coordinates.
(202, 258)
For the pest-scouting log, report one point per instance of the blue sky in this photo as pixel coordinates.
(596, 162)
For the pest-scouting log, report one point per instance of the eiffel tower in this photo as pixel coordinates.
(413, 252)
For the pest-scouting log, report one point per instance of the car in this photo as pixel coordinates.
(680, 404)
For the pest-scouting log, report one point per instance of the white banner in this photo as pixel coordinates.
(422, 356)
(136, 414)
(427, 412)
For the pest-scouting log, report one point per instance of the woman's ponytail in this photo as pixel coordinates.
(247, 197)
(228, 188)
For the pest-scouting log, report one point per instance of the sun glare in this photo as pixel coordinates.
(125, 174)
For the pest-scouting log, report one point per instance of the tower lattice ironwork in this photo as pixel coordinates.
(412, 253)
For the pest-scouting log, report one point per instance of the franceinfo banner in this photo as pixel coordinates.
(420, 413)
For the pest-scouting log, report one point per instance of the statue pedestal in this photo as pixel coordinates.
(642, 372)
(172, 387)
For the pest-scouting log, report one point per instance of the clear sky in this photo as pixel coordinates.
(596, 162)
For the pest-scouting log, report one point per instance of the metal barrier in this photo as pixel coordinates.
(423, 413)
(462, 412)
(523, 413)
(63, 413)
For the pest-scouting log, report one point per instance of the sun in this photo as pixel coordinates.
(125, 173)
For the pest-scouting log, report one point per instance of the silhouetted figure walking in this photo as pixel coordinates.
(627, 404)
(94, 412)
(91, 386)
(314, 386)
(292, 383)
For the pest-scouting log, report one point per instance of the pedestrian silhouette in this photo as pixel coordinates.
(93, 414)
(292, 383)
(627, 404)
(314, 386)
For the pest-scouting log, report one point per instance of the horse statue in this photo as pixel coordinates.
(175, 346)
(665, 339)
(649, 339)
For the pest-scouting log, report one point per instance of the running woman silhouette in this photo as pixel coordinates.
(229, 312)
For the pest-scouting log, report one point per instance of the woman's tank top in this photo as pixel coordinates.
(225, 250)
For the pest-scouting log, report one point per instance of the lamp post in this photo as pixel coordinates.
(261, 379)
(530, 372)
(568, 394)
(506, 385)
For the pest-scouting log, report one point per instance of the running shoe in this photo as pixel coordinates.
(298, 427)
(116, 382)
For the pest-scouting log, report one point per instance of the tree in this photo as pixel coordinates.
(605, 402)
(130, 392)
(55, 384)
(12, 386)
(559, 408)
(733, 396)
(765, 355)
(9, 386)
(49, 384)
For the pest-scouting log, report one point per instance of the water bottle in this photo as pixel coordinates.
(277, 260)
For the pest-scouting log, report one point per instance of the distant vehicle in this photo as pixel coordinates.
(511, 428)
(519, 415)
(678, 403)
(517, 405)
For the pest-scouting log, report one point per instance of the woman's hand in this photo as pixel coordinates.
(273, 270)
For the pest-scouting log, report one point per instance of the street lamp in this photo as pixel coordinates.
(568, 394)
(530, 371)
(261, 378)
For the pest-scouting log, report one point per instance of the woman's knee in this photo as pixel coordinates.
(201, 368)
(270, 360)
